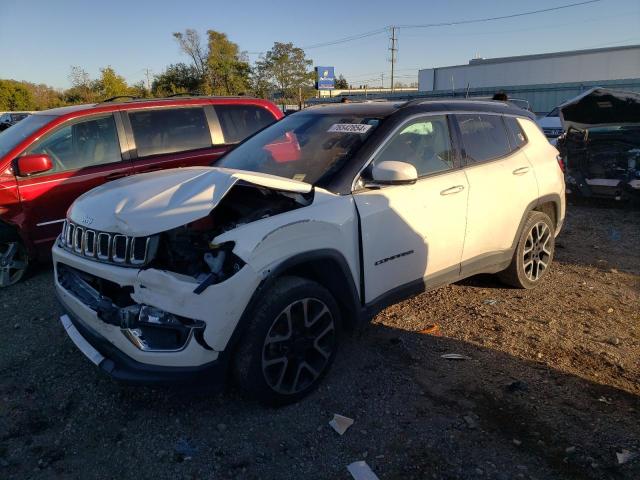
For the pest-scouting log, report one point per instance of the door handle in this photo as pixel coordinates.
(114, 176)
(452, 190)
(520, 171)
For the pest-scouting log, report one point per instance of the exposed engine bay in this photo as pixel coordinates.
(603, 162)
(601, 144)
(190, 249)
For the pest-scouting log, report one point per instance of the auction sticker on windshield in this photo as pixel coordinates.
(349, 128)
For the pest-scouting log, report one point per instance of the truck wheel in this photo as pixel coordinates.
(290, 342)
(533, 254)
(13, 263)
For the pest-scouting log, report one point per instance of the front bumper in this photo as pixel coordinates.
(123, 368)
(218, 309)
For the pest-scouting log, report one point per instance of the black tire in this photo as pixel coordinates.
(280, 358)
(14, 262)
(533, 254)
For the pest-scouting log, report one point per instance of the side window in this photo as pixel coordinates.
(240, 121)
(515, 133)
(424, 142)
(82, 144)
(169, 130)
(484, 137)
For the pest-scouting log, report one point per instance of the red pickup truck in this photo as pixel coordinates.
(50, 158)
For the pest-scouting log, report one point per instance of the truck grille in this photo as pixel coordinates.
(107, 247)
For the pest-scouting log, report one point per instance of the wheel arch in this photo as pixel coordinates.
(328, 267)
(9, 232)
(548, 204)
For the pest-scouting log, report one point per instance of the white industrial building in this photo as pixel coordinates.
(597, 65)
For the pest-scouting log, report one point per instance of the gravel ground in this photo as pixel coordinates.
(550, 387)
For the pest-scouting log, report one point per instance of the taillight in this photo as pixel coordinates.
(560, 162)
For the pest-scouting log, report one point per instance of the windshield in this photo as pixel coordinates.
(554, 113)
(303, 147)
(12, 136)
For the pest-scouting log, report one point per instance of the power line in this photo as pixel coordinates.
(502, 17)
(379, 31)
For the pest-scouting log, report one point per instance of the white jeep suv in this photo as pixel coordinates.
(253, 267)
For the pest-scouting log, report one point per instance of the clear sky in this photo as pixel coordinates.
(41, 39)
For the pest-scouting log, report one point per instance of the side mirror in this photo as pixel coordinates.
(32, 164)
(394, 173)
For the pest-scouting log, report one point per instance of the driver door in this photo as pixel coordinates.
(85, 154)
(413, 234)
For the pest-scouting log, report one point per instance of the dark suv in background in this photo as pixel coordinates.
(50, 158)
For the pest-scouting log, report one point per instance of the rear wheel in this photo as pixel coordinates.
(290, 343)
(534, 253)
(13, 263)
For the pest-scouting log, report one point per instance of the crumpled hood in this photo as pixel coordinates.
(600, 107)
(154, 202)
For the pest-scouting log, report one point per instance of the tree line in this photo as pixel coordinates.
(215, 66)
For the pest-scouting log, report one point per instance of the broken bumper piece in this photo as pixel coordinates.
(123, 368)
(147, 324)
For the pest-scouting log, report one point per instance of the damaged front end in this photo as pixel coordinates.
(147, 328)
(191, 249)
(159, 296)
(600, 148)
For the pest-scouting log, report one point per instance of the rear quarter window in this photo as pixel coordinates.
(484, 137)
(516, 136)
(241, 121)
(169, 130)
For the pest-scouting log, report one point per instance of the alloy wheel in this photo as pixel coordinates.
(298, 346)
(537, 251)
(13, 263)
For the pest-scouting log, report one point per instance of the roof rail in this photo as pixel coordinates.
(111, 99)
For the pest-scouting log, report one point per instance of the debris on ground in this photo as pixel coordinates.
(340, 423)
(361, 471)
(625, 456)
(471, 421)
(430, 330)
(454, 356)
(490, 301)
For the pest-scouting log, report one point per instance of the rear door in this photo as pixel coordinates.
(501, 186)
(172, 137)
(85, 153)
(241, 121)
(412, 234)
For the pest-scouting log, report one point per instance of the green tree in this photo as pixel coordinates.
(110, 84)
(260, 80)
(288, 68)
(190, 43)
(177, 78)
(15, 96)
(227, 68)
(341, 83)
(81, 90)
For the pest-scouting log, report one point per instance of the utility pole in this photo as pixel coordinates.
(147, 73)
(394, 49)
(382, 81)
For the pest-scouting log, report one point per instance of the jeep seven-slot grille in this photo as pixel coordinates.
(104, 246)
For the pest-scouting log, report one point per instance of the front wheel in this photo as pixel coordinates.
(290, 343)
(13, 263)
(533, 254)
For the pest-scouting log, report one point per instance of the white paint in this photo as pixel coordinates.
(409, 232)
(154, 202)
